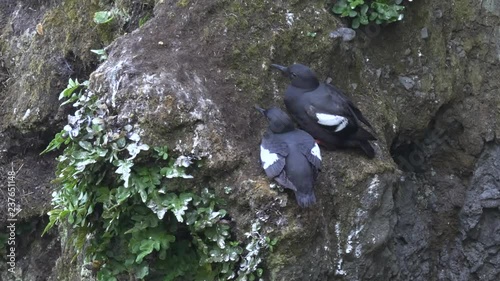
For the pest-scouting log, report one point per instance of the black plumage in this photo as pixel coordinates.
(324, 111)
(290, 156)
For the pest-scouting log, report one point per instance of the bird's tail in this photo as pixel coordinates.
(305, 199)
(363, 134)
(367, 148)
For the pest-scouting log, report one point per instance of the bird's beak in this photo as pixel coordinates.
(262, 110)
(283, 69)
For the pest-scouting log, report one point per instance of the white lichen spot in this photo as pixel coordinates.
(115, 84)
(339, 270)
(26, 114)
(373, 187)
(353, 235)
(289, 18)
(196, 138)
(183, 161)
(357, 252)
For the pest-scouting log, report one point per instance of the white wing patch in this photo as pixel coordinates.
(315, 151)
(267, 157)
(332, 120)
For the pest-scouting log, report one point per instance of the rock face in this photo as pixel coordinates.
(479, 236)
(427, 208)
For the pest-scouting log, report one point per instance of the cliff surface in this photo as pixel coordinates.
(428, 206)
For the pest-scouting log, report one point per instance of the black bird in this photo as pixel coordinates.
(290, 156)
(324, 111)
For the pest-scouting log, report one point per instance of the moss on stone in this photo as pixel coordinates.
(183, 3)
(250, 62)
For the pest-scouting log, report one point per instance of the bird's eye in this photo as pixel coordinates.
(293, 75)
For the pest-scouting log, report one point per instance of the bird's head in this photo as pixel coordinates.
(279, 121)
(301, 76)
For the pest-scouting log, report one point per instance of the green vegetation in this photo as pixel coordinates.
(183, 3)
(363, 12)
(103, 17)
(101, 53)
(132, 211)
(144, 19)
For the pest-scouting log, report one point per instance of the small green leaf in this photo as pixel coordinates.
(81, 165)
(55, 143)
(355, 23)
(121, 142)
(135, 149)
(178, 205)
(338, 9)
(85, 145)
(142, 272)
(146, 247)
(122, 194)
(356, 3)
(363, 20)
(143, 20)
(124, 168)
(98, 51)
(364, 9)
(162, 152)
(101, 53)
(103, 17)
(259, 272)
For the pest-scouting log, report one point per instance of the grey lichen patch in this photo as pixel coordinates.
(170, 112)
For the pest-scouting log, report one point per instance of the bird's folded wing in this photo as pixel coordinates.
(312, 153)
(330, 115)
(283, 180)
(354, 110)
(309, 148)
(273, 157)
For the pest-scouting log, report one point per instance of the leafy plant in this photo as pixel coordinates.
(363, 12)
(127, 215)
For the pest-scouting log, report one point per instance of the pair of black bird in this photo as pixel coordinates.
(327, 117)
